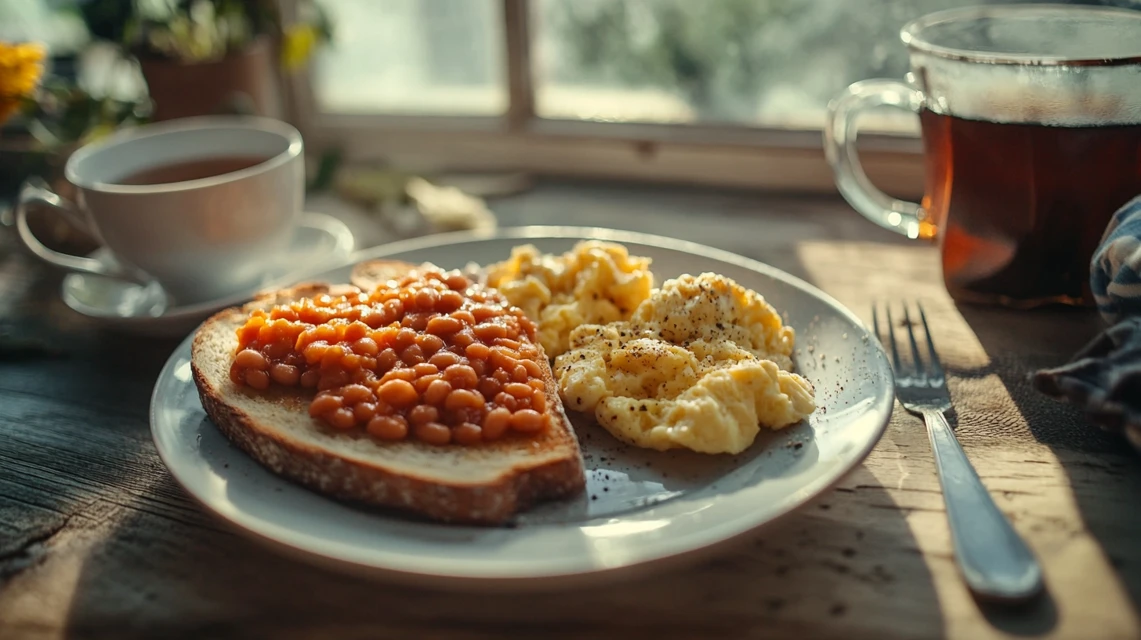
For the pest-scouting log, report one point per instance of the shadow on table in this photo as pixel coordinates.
(1104, 486)
(73, 410)
(814, 574)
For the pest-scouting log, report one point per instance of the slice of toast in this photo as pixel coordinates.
(369, 274)
(482, 484)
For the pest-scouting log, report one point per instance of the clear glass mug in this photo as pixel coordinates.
(1031, 127)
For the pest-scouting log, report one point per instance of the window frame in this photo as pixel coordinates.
(737, 156)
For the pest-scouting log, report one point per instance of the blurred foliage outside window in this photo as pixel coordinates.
(769, 63)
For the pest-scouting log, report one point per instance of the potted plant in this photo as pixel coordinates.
(206, 56)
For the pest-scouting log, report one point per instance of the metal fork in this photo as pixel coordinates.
(994, 560)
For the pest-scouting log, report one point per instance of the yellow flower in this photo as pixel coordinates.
(21, 66)
(297, 45)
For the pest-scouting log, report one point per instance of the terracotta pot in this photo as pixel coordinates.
(244, 82)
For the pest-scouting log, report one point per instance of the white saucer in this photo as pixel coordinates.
(321, 242)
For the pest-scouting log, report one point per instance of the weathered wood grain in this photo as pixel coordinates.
(97, 541)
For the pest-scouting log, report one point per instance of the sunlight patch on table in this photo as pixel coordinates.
(859, 274)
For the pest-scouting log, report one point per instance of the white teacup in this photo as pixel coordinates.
(200, 205)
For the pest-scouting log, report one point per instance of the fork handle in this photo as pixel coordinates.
(994, 560)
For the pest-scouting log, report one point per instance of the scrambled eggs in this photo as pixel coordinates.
(593, 283)
(702, 364)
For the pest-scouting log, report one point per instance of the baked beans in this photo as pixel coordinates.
(432, 357)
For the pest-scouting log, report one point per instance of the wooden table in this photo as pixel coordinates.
(96, 539)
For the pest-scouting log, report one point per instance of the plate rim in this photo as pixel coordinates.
(553, 578)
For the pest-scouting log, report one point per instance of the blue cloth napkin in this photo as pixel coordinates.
(1115, 272)
(1104, 377)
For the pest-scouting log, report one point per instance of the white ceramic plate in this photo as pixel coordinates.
(641, 508)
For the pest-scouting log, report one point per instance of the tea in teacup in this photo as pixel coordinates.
(186, 170)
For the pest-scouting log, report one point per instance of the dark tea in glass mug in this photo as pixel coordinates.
(1031, 125)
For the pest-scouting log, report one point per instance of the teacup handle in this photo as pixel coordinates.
(33, 193)
(900, 216)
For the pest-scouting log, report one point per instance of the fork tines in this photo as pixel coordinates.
(918, 369)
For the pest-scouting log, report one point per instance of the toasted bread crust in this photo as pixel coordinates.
(370, 274)
(488, 503)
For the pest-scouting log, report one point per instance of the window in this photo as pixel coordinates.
(757, 63)
(720, 91)
(439, 57)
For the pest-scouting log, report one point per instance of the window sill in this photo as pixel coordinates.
(789, 161)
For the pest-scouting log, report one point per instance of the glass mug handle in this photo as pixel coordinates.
(34, 191)
(900, 216)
